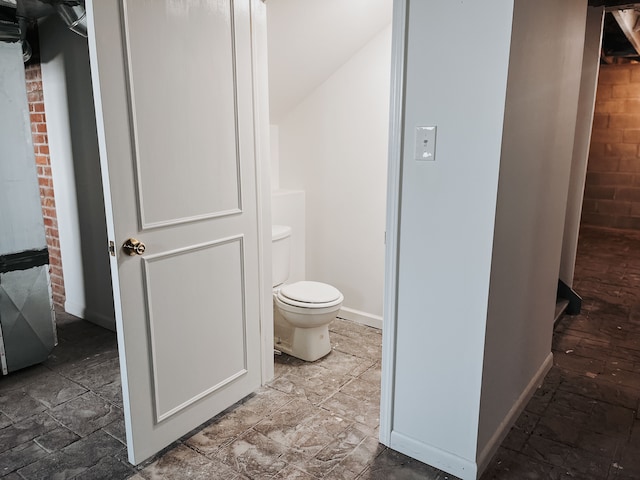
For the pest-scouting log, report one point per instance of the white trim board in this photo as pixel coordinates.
(363, 318)
(436, 457)
(501, 432)
(84, 313)
(462, 467)
(396, 128)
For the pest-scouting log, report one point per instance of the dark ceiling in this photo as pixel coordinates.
(616, 48)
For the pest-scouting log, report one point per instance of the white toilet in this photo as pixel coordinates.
(302, 311)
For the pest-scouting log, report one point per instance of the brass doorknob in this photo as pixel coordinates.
(131, 246)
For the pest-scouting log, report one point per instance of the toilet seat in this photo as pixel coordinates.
(307, 294)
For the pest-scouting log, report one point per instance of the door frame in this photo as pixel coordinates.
(263, 175)
(392, 234)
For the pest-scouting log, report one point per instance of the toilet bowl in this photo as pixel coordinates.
(302, 311)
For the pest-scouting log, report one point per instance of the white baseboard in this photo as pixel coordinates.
(441, 459)
(362, 318)
(97, 318)
(461, 467)
(501, 432)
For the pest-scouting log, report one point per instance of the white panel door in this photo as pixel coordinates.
(173, 92)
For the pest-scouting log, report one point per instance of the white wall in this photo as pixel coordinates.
(333, 145)
(540, 118)
(75, 166)
(309, 40)
(586, 106)
(446, 227)
(21, 224)
(288, 208)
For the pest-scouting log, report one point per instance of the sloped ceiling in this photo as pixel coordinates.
(310, 39)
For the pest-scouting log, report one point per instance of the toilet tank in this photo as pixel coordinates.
(280, 253)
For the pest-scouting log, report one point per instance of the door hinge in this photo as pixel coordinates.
(112, 248)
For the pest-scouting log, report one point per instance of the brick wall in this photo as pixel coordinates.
(612, 192)
(41, 150)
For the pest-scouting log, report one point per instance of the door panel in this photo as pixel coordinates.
(174, 106)
(221, 357)
(165, 127)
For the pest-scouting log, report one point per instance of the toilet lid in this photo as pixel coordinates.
(310, 292)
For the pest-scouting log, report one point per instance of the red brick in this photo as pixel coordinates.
(628, 194)
(37, 118)
(35, 86)
(609, 179)
(631, 136)
(624, 120)
(603, 164)
(597, 219)
(613, 207)
(41, 150)
(635, 73)
(608, 135)
(589, 205)
(621, 150)
(614, 74)
(49, 212)
(596, 148)
(58, 301)
(39, 138)
(611, 106)
(604, 92)
(629, 165)
(631, 90)
(632, 223)
(54, 276)
(35, 96)
(632, 106)
(597, 192)
(45, 182)
(55, 270)
(601, 120)
(30, 73)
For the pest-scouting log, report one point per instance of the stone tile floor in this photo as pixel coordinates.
(63, 419)
(583, 422)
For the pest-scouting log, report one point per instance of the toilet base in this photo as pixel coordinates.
(309, 344)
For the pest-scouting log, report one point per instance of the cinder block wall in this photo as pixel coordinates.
(33, 75)
(612, 192)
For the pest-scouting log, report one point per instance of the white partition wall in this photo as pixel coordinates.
(481, 223)
(75, 166)
(535, 166)
(588, 86)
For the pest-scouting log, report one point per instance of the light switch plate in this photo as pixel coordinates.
(425, 143)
